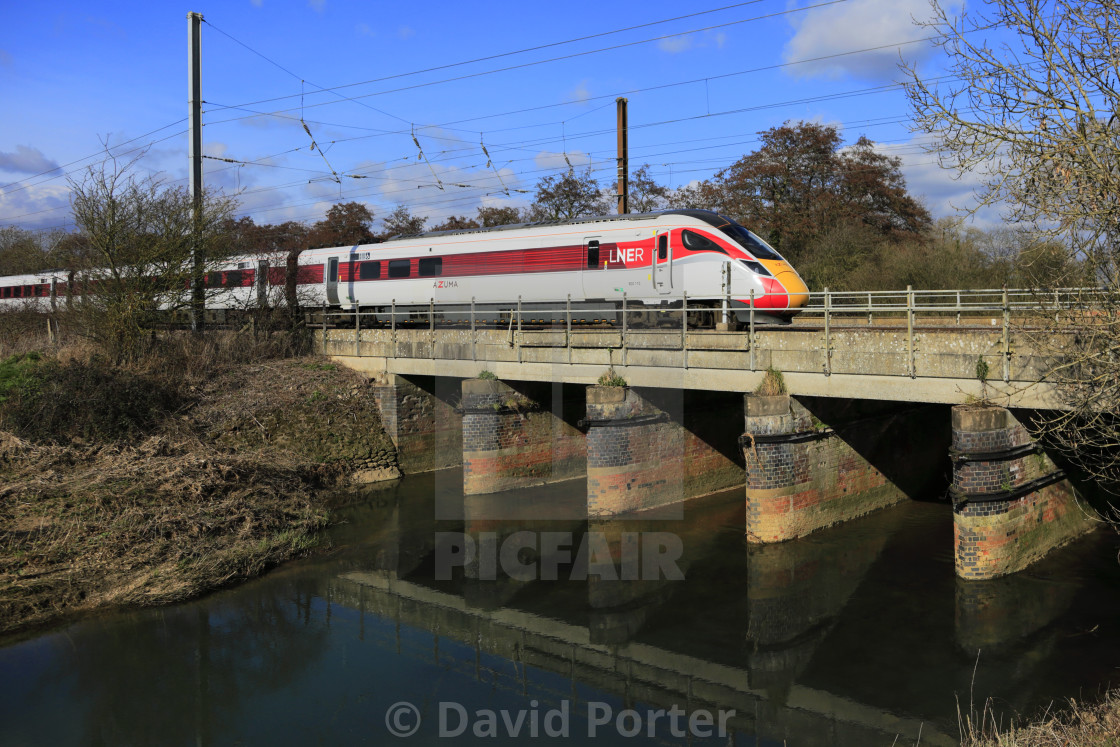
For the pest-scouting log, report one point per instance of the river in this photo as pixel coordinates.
(856, 635)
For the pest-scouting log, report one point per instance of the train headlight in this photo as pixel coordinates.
(756, 268)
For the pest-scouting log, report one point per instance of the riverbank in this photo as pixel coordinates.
(144, 487)
(1081, 724)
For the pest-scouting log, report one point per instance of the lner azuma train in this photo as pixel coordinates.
(579, 269)
(583, 268)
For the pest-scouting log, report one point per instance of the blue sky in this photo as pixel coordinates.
(73, 75)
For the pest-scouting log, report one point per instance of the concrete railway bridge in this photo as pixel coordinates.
(888, 397)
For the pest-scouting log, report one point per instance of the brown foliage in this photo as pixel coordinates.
(801, 184)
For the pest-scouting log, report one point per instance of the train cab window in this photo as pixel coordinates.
(663, 246)
(369, 271)
(400, 268)
(431, 266)
(592, 254)
(699, 243)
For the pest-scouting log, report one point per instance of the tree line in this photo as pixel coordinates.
(842, 215)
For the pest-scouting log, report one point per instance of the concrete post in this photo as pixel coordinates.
(1011, 505)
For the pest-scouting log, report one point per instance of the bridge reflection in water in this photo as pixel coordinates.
(791, 636)
(854, 635)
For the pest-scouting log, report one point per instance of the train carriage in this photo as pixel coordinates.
(583, 268)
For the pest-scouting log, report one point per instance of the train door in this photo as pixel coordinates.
(663, 264)
(332, 281)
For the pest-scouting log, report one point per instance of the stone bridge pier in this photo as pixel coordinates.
(1011, 503)
(806, 463)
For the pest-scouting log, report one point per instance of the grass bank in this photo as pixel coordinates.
(1078, 724)
(153, 483)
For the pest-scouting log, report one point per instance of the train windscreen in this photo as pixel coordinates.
(753, 244)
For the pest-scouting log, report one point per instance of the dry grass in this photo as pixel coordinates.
(218, 487)
(1079, 725)
(87, 526)
(773, 383)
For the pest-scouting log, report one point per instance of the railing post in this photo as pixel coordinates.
(750, 337)
(324, 327)
(958, 308)
(1006, 338)
(357, 331)
(869, 307)
(827, 332)
(568, 318)
(474, 355)
(727, 293)
(431, 327)
(519, 329)
(624, 328)
(684, 329)
(910, 331)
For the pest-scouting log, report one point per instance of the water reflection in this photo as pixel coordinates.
(850, 636)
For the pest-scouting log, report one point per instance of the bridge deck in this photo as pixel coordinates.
(924, 364)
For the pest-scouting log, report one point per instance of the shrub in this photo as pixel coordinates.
(773, 383)
(57, 402)
(610, 378)
(487, 376)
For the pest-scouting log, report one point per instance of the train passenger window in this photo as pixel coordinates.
(369, 271)
(7, 292)
(231, 278)
(699, 242)
(431, 266)
(592, 254)
(663, 246)
(400, 268)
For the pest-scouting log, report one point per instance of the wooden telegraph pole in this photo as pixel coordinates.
(623, 159)
(194, 155)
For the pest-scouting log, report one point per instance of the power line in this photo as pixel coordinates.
(522, 65)
(94, 155)
(516, 52)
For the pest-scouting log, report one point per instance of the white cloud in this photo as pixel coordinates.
(406, 32)
(944, 193)
(5, 58)
(857, 24)
(580, 93)
(548, 159)
(675, 44)
(364, 29)
(26, 160)
(257, 3)
(36, 207)
(317, 5)
(685, 42)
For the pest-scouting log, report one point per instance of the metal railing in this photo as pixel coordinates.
(637, 315)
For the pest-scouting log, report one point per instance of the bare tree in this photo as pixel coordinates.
(401, 222)
(646, 195)
(135, 257)
(1031, 105)
(498, 216)
(567, 196)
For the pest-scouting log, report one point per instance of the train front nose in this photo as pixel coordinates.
(790, 280)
